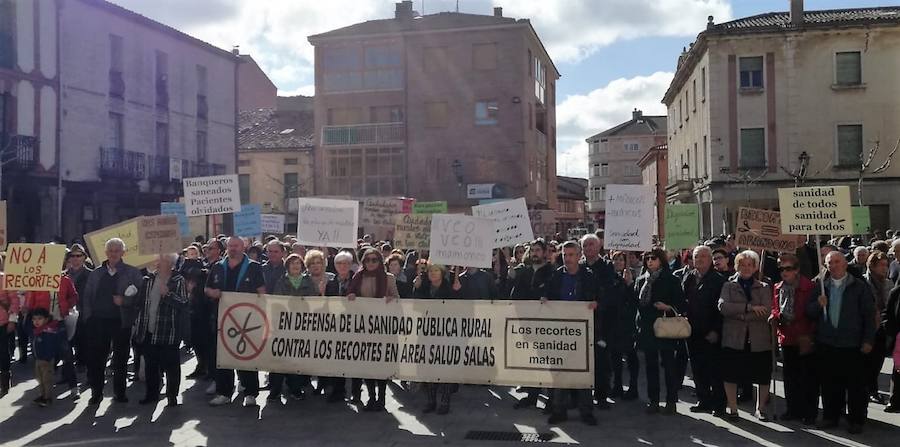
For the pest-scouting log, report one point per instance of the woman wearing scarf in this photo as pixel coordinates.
(373, 281)
(288, 285)
(746, 304)
(433, 283)
(394, 266)
(315, 281)
(658, 292)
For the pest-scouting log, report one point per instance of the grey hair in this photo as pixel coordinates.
(343, 256)
(589, 237)
(860, 249)
(747, 254)
(895, 244)
(115, 242)
(171, 257)
(702, 248)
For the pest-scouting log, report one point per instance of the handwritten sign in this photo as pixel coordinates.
(681, 226)
(327, 222)
(218, 194)
(862, 220)
(543, 223)
(272, 223)
(128, 232)
(511, 223)
(158, 234)
(816, 210)
(35, 267)
(629, 217)
(412, 231)
(248, 221)
(178, 210)
(461, 240)
(377, 216)
(3, 236)
(761, 230)
(430, 207)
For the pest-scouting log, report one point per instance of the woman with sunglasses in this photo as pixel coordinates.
(374, 282)
(795, 335)
(658, 292)
(433, 283)
(746, 304)
(621, 343)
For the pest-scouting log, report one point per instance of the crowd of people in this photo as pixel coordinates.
(830, 312)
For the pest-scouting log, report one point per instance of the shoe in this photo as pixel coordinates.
(891, 408)
(670, 409)
(74, 393)
(220, 400)
(526, 402)
(41, 402)
(95, 399)
(429, 408)
(855, 429)
(120, 399)
(616, 392)
(557, 418)
(631, 394)
(761, 416)
(828, 423)
(788, 416)
(652, 408)
(249, 401)
(732, 416)
(877, 398)
(443, 409)
(172, 402)
(274, 398)
(602, 404)
(700, 408)
(589, 420)
(211, 389)
(721, 414)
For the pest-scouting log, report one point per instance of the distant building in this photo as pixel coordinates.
(761, 95)
(448, 106)
(571, 194)
(255, 89)
(613, 155)
(655, 172)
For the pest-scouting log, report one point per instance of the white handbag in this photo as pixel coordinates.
(675, 327)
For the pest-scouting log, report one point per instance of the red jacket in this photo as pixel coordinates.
(67, 296)
(800, 326)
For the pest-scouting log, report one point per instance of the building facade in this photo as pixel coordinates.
(426, 106)
(755, 99)
(613, 155)
(654, 166)
(255, 89)
(571, 212)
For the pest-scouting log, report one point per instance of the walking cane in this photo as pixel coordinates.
(773, 396)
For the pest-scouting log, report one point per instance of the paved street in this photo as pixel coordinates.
(314, 422)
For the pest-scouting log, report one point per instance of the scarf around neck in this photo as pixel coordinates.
(380, 282)
(646, 293)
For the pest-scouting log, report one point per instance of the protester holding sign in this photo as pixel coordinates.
(432, 283)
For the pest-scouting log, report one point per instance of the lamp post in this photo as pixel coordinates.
(457, 168)
(686, 176)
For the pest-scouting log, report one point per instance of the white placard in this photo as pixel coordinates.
(272, 223)
(511, 222)
(218, 194)
(629, 217)
(461, 240)
(816, 210)
(480, 191)
(327, 222)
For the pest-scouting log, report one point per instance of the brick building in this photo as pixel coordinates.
(571, 197)
(426, 106)
(255, 89)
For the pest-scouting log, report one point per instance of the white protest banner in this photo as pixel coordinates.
(461, 240)
(511, 222)
(327, 222)
(816, 210)
(412, 231)
(34, 267)
(377, 216)
(432, 340)
(629, 217)
(272, 223)
(158, 234)
(218, 194)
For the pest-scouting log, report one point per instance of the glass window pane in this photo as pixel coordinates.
(751, 63)
(849, 145)
(848, 68)
(752, 148)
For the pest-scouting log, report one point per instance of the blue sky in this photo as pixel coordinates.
(614, 55)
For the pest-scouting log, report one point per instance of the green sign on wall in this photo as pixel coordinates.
(862, 220)
(681, 226)
(430, 207)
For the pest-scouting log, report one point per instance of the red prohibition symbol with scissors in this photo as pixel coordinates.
(244, 330)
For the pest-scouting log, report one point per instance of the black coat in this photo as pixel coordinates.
(666, 290)
(890, 319)
(530, 284)
(585, 285)
(445, 290)
(701, 296)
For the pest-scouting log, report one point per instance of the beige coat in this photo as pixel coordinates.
(367, 288)
(738, 318)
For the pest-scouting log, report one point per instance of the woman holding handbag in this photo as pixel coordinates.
(658, 292)
(746, 304)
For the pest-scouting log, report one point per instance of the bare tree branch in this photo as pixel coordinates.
(887, 162)
(868, 160)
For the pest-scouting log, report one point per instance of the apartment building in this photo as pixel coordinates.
(654, 165)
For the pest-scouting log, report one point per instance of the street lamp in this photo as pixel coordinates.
(457, 172)
(686, 176)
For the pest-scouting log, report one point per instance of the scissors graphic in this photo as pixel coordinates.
(234, 332)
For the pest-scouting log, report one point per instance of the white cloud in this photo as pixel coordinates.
(580, 116)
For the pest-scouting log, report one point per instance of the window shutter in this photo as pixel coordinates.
(848, 69)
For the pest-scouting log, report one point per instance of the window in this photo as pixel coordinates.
(365, 172)
(202, 106)
(201, 146)
(540, 80)
(528, 64)
(632, 170)
(694, 96)
(342, 116)
(595, 170)
(243, 163)
(436, 114)
(291, 185)
(753, 148)
(353, 67)
(486, 113)
(116, 131)
(386, 114)
(594, 147)
(290, 161)
(596, 194)
(751, 72)
(849, 144)
(632, 147)
(7, 33)
(705, 158)
(680, 112)
(162, 80)
(604, 169)
(484, 56)
(604, 145)
(687, 116)
(244, 187)
(848, 68)
(696, 164)
(162, 139)
(116, 67)
(703, 83)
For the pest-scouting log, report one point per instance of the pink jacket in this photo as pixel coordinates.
(9, 303)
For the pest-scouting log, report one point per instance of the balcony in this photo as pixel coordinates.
(158, 168)
(121, 164)
(359, 134)
(19, 152)
(207, 169)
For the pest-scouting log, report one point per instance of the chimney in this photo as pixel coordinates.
(404, 10)
(236, 50)
(637, 114)
(710, 22)
(498, 11)
(796, 12)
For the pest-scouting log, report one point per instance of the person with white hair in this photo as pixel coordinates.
(108, 308)
(160, 304)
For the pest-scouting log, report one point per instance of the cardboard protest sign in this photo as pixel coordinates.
(377, 215)
(682, 221)
(862, 220)
(158, 234)
(3, 236)
(218, 194)
(421, 340)
(816, 210)
(629, 217)
(248, 221)
(430, 207)
(761, 230)
(543, 223)
(461, 240)
(128, 232)
(34, 267)
(412, 231)
(327, 222)
(178, 210)
(511, 223)
(272, 223)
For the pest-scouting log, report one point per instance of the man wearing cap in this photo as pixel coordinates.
(78, 273)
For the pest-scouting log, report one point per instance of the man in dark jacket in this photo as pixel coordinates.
(572, 282)
(273, 269)
(109, 311)
(477, 284)
(702, 287)
(845, 331)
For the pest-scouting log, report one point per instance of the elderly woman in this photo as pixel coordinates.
(434, 283)
(162, 299)
(288, 285)
(658, 292)
(746, 304)
(315, 280)
(394, 266)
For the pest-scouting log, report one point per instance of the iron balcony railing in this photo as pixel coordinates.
(363, 134)
(121, 164)
(19, 152)
(159, 168)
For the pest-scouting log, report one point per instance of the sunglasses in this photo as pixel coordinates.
(787, 268)
(650, 258)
